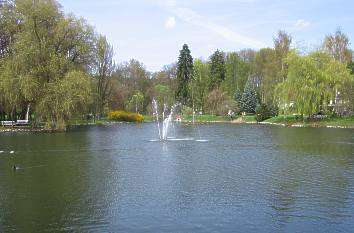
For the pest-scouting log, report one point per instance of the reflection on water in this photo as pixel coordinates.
(225, 178)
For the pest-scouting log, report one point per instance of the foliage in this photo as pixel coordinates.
(351, 68)
(103, 68)
(199, 85)
(247, 55)
(44, 52)
(337, 46)
(9, 27)
(263, 113)
(305, 82)
(249, 98)
(237, 72)
(274, 110)
(219, 102)
(123, 116)
(312, 82)
(238, 99)
(282, 45)
(266, 71)
(184, 75)
(163, 95)
(187, 110)
(63, 98)
(128, 79)
(217, 69)
(288, 119)
(137, 101)
(47, 55)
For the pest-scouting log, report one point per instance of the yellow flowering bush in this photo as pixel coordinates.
(124, 116)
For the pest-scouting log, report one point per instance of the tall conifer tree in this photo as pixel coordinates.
(184, 75)
(217, 69)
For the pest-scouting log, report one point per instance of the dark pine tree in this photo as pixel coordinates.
(184, 75)
(249, 98)
(217, 69)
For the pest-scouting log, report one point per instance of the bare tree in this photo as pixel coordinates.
(282, 47)
(104, 67)
(338, 46)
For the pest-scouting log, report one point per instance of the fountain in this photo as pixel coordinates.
(166, 124)
(166, 121)
(156, 112)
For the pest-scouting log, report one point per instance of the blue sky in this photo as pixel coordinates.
(153, 31)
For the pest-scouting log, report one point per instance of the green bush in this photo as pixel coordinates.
(263, 113)
(187, 110)
(124, 116)
(274, 110)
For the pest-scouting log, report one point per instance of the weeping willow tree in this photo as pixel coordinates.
(45, 62)
(312, 82)
(63, 98)
(10, 98)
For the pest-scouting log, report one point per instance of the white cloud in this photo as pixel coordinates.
(170, 23)
(301, 23)
(192, 17)
(188, 15)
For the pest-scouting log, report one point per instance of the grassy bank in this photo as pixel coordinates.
(245, 119)
(288, 121)
(149, 118)
(347, 122)
(206, 118)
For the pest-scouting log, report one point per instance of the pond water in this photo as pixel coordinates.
(220, 178)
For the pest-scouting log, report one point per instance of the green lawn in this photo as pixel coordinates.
(281, 119)
(338, 121)
(288, 120)
(248, 119)
(148, 118)
(206, 118)
(333, 121)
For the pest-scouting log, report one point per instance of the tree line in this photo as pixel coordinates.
(59, 66)
(277, 80)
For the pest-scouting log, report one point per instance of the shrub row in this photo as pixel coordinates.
(125, 116)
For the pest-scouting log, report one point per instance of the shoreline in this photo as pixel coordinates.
(18, 130)
(289, 125)
(236, 121)
(299, 125)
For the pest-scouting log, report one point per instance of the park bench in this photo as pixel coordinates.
(319, 116)
(22, 122)
(8, 123)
